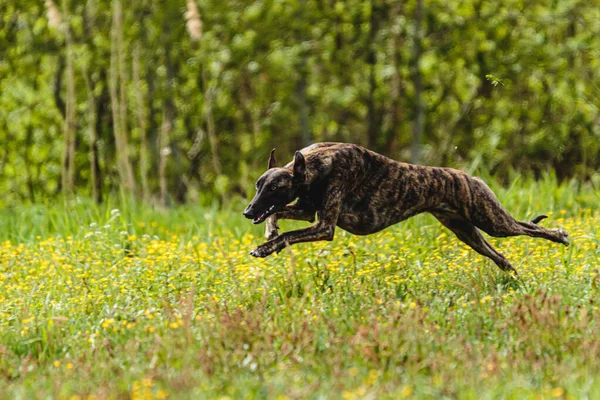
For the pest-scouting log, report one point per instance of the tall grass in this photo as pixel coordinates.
(523, 197)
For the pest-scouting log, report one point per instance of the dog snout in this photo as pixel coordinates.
(249, 212)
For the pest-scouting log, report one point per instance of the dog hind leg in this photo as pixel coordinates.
(486, 213)
(470, 235)
(555, 235)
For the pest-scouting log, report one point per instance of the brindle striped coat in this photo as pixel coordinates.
(363, 192)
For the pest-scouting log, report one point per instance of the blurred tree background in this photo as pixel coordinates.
(181, 100)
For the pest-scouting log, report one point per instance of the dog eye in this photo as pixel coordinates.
(273, 188)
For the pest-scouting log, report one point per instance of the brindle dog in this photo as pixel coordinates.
(364, 192)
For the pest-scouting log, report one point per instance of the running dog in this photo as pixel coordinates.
(363, 192)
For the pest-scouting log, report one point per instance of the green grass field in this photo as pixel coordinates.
(124, 301)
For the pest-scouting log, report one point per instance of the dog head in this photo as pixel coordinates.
(276, 188)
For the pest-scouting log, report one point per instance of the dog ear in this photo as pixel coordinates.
(272, 160)
(299, 167)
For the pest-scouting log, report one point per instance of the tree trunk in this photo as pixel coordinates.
(101, 111)
(94, 109)
(92, 126)
(305, 135)
(418, 82)
(372, 117)
(152, 127)
(393, 119)
(210, 127)
(165, 150)
(168, 121)
(123, 97)
(196, 137)
(8, 139)
(142, 124)
(68, 159)
(119, 113)
(58, 101)
(27, 161)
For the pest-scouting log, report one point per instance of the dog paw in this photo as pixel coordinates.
(261, 252)
(257, 253)
(563, 236)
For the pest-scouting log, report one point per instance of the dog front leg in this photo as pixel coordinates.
(271, 227)
(300, 211)
(322, 230)
(319, 231)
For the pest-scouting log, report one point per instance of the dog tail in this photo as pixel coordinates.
(538, 219)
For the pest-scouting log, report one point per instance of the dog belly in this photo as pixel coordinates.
(356, 225)
(367, 223)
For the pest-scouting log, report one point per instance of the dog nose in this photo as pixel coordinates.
(248, 212)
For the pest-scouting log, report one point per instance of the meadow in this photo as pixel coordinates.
(128, 301)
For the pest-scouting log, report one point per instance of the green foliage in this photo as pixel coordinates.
(506, 84)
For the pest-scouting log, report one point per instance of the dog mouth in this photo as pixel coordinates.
(269, 211)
